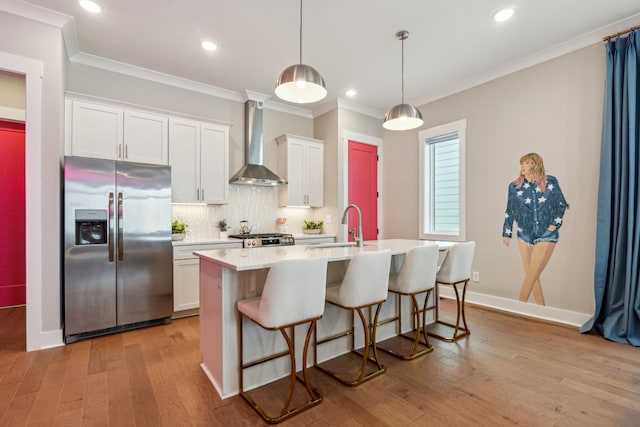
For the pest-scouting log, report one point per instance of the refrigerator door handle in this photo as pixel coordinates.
(120, 230)
(111, 225)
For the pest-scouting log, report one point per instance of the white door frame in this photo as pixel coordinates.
(32, 70)
(343, 161)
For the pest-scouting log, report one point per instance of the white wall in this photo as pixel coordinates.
(43, 43)
(12, 102)
(555, 109)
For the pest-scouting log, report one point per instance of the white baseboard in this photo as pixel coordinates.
(553, 314)
(50, 339)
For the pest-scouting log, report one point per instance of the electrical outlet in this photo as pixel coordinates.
(327, 219)
(475, 276)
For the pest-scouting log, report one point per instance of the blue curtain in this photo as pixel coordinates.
(617, 266)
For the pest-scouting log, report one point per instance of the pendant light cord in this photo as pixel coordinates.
(300, 31)
(402, 39)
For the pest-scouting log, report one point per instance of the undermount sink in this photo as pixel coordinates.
(335, 245)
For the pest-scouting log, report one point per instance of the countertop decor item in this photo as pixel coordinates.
(282, 224)
(224, 227)
(312, 226)
(178, 230)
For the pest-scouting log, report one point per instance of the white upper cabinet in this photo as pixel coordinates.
(214, 163)
(146, 138)
(109, 132)
(199, 159)
(97, 130)
(301, 163)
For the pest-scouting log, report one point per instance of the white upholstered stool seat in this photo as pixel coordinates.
(455, 271)
(364, 285)
(293, 294)
(417, 275)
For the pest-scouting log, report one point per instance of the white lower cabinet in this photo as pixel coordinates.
(186, 276)
(314, 240)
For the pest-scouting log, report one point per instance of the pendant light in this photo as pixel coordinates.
(402, 116)
(300, 83)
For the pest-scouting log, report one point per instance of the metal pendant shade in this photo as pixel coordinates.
(402, 116)
(300, 83)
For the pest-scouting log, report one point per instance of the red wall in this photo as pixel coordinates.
(12, 215)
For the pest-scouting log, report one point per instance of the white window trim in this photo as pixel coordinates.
(459, 127)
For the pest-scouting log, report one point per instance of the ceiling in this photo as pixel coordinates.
(453, 44)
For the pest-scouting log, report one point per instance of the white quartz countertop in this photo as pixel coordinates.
(257, 258)
(217, 241)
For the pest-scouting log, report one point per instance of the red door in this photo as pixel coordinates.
(12, 215)
(363, 188)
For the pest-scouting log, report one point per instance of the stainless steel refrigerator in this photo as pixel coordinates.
(118, 270)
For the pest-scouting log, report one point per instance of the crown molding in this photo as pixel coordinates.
(155, 76)
(556, 51)
(35, 13)
(359, 108)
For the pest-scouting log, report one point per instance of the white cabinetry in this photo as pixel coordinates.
(199, 159)
(97, 130)
(146, 138)
(186, 275)
(113, 133)
(301, 163)
(314, 240)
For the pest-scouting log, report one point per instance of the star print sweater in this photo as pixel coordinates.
(533, 210)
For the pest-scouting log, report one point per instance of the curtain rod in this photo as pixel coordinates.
(613, 36)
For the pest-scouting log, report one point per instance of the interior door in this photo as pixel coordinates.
(12, 200)
(363, 188)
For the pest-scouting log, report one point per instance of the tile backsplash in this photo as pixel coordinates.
(258, 205)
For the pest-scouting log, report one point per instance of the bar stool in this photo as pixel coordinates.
(364, 285)
(416, 276)
(455, 270)
(293, 294)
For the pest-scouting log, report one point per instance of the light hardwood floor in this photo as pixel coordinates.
(509, 371)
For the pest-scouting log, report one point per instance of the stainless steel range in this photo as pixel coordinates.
(264, 239)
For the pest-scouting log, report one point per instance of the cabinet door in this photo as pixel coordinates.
(145, 137)
(97, 131)
(214, 163)
(314, 174)
(296, 176)
(186, 284)
(184, 152)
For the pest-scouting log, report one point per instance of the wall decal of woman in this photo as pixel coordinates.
(537, 205)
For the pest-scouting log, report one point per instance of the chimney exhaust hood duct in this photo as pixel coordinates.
(254, 172)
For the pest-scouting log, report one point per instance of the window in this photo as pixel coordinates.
(442, 176)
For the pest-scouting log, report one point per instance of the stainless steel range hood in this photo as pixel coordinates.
(254, 172)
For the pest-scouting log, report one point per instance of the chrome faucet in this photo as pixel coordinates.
(358, 235)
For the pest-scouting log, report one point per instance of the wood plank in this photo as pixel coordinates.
(509, 371)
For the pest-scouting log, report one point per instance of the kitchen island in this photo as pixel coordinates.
(229, 275)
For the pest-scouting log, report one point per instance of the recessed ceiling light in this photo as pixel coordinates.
(503, 15)
(350, 92)
(90, 6)
(210, 46)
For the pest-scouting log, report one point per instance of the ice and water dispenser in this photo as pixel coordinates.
(91, 226)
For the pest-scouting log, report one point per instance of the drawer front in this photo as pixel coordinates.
(186, 251)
